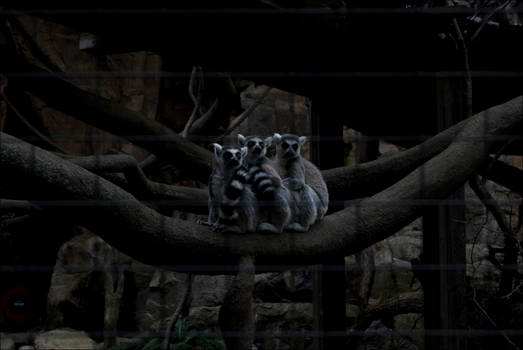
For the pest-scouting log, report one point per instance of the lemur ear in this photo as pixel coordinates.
(302, 140)
(244, 151)
(241, 140)
(276, 138)
(268, 142)
(217, 149)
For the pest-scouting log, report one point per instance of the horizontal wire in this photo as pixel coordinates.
(212, 138)
(303, 333)
(440, 10)
(359, 203)
(270, 74)
(401, 266)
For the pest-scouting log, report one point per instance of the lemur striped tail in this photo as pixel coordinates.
(262, 184)
(233, 192)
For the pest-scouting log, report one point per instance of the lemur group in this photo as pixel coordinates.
(249, 192)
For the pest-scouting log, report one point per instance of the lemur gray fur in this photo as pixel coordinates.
(274, 199)
(232, 205)
(302, 178)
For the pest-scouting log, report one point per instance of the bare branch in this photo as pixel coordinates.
(487, 19)
(197, 99)
(491, 204)
(185, 198)
(177, 312)
(512, 247)
(236, 315)
(485, 313)
(368, 178)
(199, 127)
(114, 118)
(175, 244)
(468, 80)
(503, 174)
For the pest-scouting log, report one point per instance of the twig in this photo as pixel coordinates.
(487, 18)
(516, 289)
(113, 294)
(197, 100)
(468, 80)
(147, 162)
(239, 119)
(177, 312)
(485, 313)
(199, 125)
(196, 97)
(512, 246)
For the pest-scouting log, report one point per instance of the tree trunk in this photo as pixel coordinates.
(236, 314)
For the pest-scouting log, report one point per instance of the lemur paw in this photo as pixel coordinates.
(295, 227)
(268, 227)
(293, 184)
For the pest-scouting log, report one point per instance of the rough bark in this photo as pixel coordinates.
(343, 183)
(503, 174)
(114, 118)
(152, 238)
(371, 177)
(236, 314)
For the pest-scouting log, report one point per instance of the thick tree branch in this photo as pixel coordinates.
(144, 234)
(503, 174)
(343, 183)
(368, 178)
(118, 120)
(176, 315)
(236, 316)
(186, 198)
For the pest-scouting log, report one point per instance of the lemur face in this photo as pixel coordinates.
(229, 157)
(288, 146)
(256, 146)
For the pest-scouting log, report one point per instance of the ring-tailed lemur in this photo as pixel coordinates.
(303, 179)
(274, 199)
(232, 205)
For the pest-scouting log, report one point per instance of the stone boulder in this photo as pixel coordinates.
(210, 290)
(270, 318)
(289, 286)
(6, 342)
(76, 294)
(66, 339)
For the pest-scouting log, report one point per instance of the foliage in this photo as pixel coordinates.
(184, 338)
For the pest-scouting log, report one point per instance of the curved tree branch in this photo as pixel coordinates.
(186, 198)
(503, 174)
(147, 236)
(112, 117)
(343, 183)
(368, 178)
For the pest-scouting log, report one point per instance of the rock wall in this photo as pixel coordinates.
(116, 77)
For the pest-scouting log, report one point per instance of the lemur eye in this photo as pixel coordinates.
(238, 155)
(285, 145)
(250, 144)
(295, 146)
(262, 144)
(227, 155)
